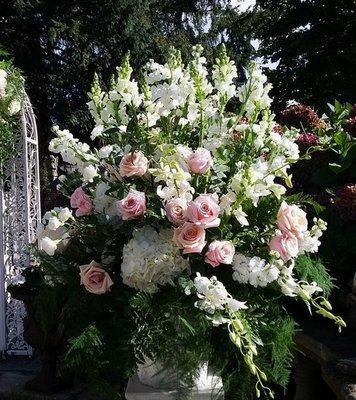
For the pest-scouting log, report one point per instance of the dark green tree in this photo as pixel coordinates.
(315, 43)
(60, 44)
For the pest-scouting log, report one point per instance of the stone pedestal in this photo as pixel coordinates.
(137, 391)
(151, 382)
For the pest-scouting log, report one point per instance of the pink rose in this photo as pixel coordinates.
(200, 161)
(81, 201)
(133, 206)
(176, 210)
(220, 252)
(94, 278)
(190, 238)
(292, 219)
(204, 210)
(286, 244)
(133, 164)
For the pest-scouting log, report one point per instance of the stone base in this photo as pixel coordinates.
(137, 391)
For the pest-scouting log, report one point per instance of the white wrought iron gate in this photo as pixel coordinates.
(19, 216)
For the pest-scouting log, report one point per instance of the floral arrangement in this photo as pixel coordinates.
(11, 95)
(179, 218)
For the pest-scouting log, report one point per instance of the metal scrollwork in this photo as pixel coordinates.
(19, 216)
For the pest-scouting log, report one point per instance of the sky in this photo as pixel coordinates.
(243, 4)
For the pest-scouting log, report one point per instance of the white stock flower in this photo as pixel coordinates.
(254, 271)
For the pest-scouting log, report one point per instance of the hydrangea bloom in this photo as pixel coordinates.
(150, 259)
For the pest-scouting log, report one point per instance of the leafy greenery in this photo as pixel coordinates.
(313, 269)
(8, 119)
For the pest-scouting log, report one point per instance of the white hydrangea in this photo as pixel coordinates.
(254, 270)
(3, 82)
(150, 259)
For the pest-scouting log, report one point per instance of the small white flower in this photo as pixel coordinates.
(105, 151)
(3, 82)
(14, 107)
(64, 214)
(48, 245)
(53, 223)
(97, 131)
(89, 173)
(241, 216)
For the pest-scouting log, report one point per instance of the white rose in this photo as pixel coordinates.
(48, 245)
(64, 214)
(105, 151)
(89, 173)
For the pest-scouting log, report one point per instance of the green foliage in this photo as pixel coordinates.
(281, 353)
(310, 270)
(84, 350)
(8, 120)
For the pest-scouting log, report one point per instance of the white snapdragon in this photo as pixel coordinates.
(241, 216)
(224, 73)
(97, 131)
(254, 93)
(150, 259)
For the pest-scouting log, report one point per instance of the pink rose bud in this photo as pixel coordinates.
(292, 219)
(133, 164)
(204, 210)
(220, 252)
(94, 278)
(286, 245)
(176, 210)
(200, 161)
(133, 206)
(190, 238)
(81, 201)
